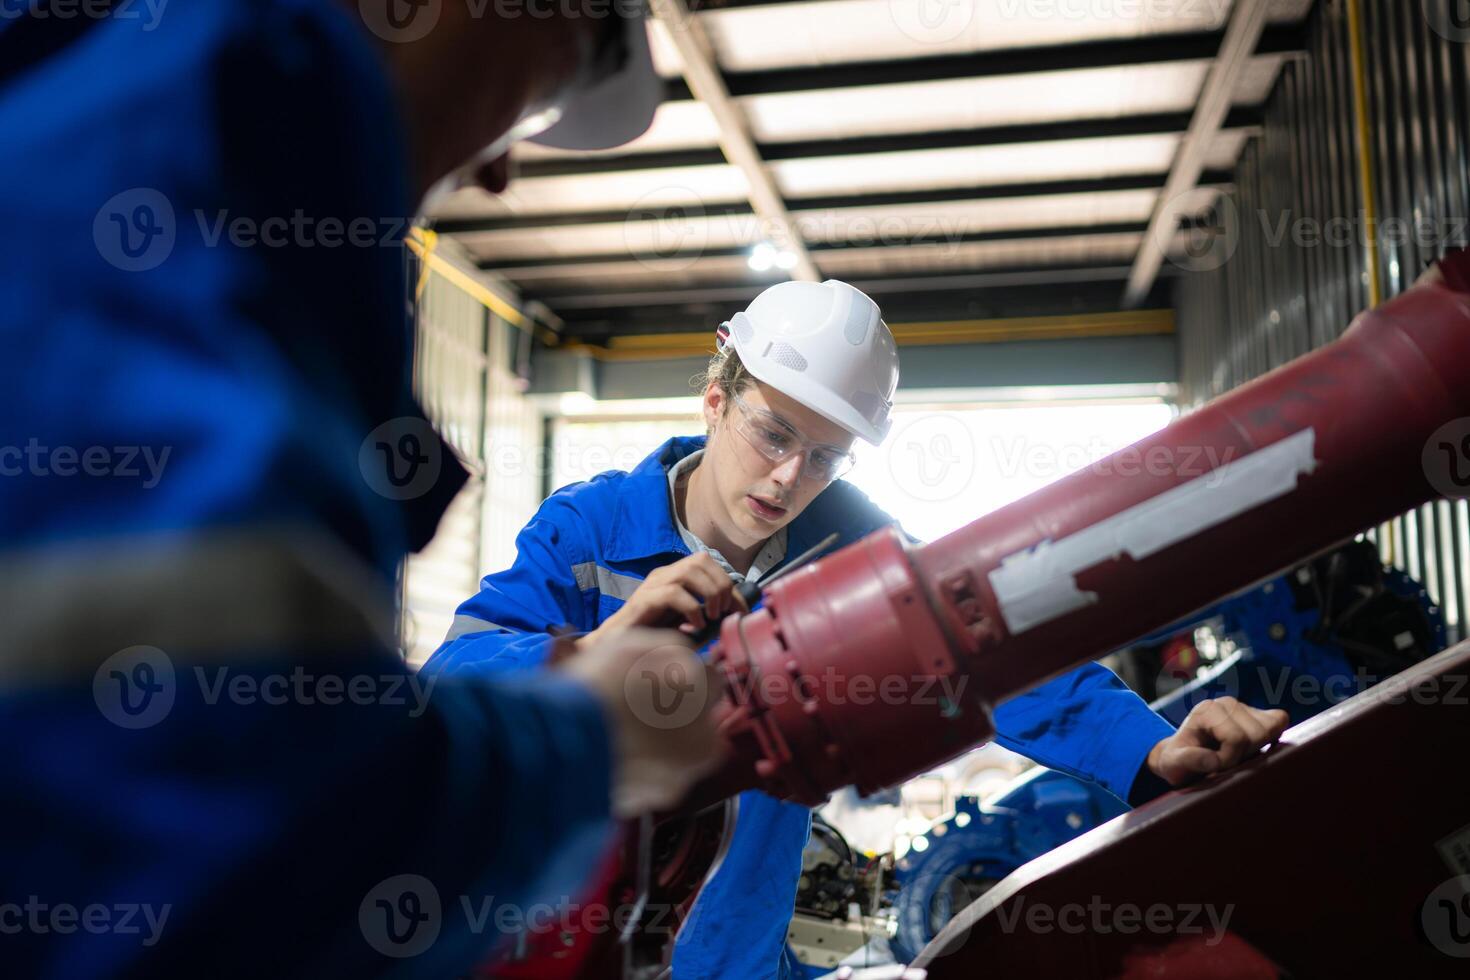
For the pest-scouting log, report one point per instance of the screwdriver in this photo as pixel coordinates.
(751, 591)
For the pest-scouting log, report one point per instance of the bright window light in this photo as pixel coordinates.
(941, 467)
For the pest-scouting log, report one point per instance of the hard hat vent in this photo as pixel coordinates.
(743, 333)
(787, 356)
(858, 317)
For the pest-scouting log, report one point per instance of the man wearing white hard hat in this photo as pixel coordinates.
(800, 375)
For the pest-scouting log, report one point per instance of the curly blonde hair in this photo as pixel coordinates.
(726, 370)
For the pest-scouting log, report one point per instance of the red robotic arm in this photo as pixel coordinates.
(1263, 477)
(884, 659)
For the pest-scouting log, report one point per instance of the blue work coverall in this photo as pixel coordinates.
(182, 415)
(583, 555)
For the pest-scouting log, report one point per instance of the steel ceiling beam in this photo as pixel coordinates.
(708, 85)
(1160, 124)
(884, 199)
(574, 304)
(1156, 49)
(1242, 35)
(629, 259)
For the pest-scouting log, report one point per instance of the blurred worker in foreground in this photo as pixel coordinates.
(217, 765)
(804, 372)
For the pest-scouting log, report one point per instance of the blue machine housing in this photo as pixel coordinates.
(1287, 655)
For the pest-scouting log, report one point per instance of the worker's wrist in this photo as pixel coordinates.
(1149, 784)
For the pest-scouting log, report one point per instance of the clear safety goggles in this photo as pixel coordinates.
(776, 440)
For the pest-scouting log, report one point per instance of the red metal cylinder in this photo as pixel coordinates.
(1272, 472)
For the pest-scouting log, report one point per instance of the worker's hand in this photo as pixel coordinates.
(658, 696)
(688, 594)
(1217, 735)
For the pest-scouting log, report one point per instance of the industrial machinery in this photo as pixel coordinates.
(1304, 641)
(1380, 888)
(1290, 464)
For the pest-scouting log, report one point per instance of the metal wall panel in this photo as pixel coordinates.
(466, 377)
(1292, 279)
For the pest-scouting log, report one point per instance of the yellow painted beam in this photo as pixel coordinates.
(1130, 323)
(423, 246)
(1366, 176)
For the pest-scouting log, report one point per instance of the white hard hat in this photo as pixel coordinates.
(825, 345)
(620, 107)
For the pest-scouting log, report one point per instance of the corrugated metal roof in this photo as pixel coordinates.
(906, 138)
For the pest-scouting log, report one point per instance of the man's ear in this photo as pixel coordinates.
(713, 405)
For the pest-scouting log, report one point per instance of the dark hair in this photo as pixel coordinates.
(726, 370)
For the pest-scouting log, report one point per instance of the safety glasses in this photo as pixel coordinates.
(776, 440)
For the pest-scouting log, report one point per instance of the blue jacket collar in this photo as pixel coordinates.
(644, 523)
